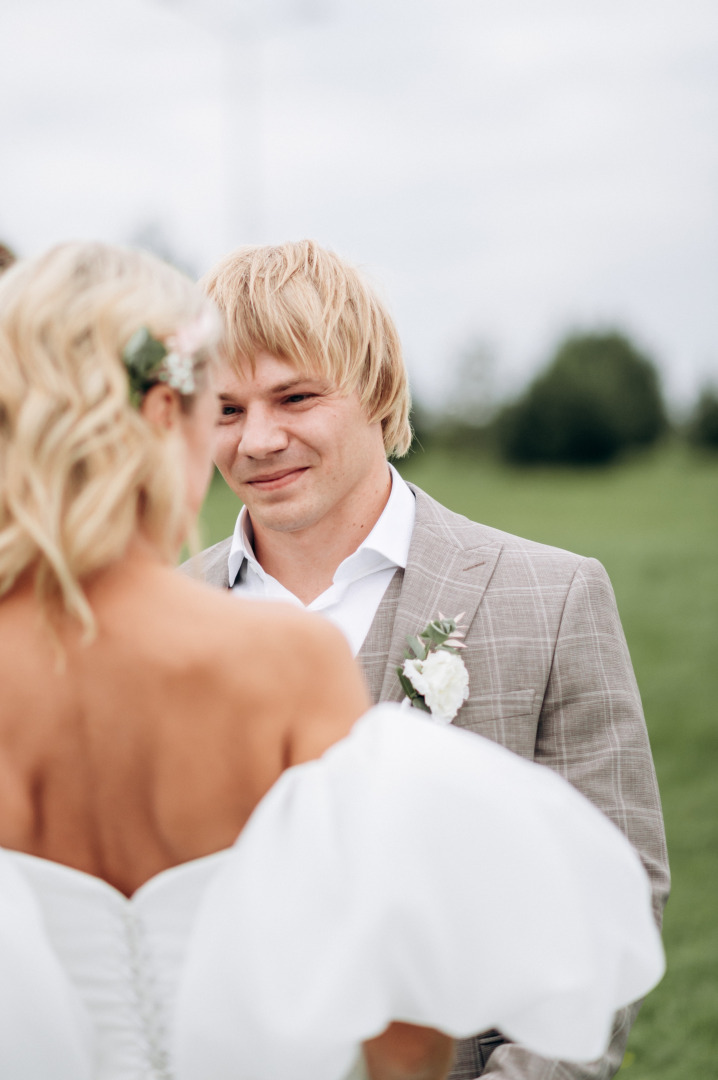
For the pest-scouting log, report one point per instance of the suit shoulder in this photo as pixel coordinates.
(210, 564)
(449, 526)
(272, 646)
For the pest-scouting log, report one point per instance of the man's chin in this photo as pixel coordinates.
(279, 518)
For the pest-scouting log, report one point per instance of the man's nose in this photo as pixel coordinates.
(262, 433)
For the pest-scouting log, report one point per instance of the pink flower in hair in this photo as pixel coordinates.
(194, 335)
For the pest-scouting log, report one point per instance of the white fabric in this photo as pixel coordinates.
(414, 872)
(124, 959)
(360, 581)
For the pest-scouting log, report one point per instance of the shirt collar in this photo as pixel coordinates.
(241, 547)
(391, 536)
(386, 545)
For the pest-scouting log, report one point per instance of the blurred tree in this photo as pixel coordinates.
(472, 398)
(703, 424)
(598, 397)
(471, 403)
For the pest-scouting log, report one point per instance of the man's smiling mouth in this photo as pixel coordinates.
(280, 478)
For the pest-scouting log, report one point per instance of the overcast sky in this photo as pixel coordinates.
(504, 169)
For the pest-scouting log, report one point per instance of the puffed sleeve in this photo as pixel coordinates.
(413, 873)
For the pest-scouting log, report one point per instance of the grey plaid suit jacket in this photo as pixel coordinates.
(550, 678)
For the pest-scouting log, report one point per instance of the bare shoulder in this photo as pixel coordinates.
(280, 631)
(281, 662)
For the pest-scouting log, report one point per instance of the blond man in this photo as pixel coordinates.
(314, 399)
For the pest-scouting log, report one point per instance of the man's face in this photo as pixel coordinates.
(297, 452)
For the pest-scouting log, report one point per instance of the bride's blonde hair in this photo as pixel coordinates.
(81, 471)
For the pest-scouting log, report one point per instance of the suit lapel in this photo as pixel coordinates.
(216, 568)
(375, 649)
(450, 563)
(437, 579)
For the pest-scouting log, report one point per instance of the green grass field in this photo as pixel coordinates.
(653, 522)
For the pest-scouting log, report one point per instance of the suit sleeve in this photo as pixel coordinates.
(591, 727)
(591, 730)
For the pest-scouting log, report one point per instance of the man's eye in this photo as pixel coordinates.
(228, 410)
(297, 399)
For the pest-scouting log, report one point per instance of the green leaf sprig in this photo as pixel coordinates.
(143, 357)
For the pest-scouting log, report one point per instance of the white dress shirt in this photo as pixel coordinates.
(351, 601)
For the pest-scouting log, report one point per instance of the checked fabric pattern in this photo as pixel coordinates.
(550, 678)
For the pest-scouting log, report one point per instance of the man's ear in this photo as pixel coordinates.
(160, 406)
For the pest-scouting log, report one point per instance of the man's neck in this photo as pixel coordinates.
(305, 561)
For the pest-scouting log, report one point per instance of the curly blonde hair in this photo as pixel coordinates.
(81, 471)
(305, 305)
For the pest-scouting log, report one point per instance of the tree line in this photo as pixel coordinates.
(598, 398)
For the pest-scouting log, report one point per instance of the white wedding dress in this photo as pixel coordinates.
(413, 872)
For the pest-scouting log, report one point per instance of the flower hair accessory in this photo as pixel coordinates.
(433, 675)
(149, 360)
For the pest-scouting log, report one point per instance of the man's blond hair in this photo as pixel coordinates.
(303, 304)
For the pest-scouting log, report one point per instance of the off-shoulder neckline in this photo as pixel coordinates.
(51, 866)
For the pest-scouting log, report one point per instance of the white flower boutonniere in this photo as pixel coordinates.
(433, 675)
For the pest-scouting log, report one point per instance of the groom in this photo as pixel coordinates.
(313, 399)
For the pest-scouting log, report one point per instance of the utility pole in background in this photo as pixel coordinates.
(243, 28)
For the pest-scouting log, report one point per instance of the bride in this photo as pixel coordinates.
(210, 866)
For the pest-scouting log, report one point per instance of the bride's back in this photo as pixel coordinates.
(151, 745)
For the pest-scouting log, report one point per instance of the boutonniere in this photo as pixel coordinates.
(433, 675)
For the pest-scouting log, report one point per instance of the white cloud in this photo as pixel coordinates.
(505, 167)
